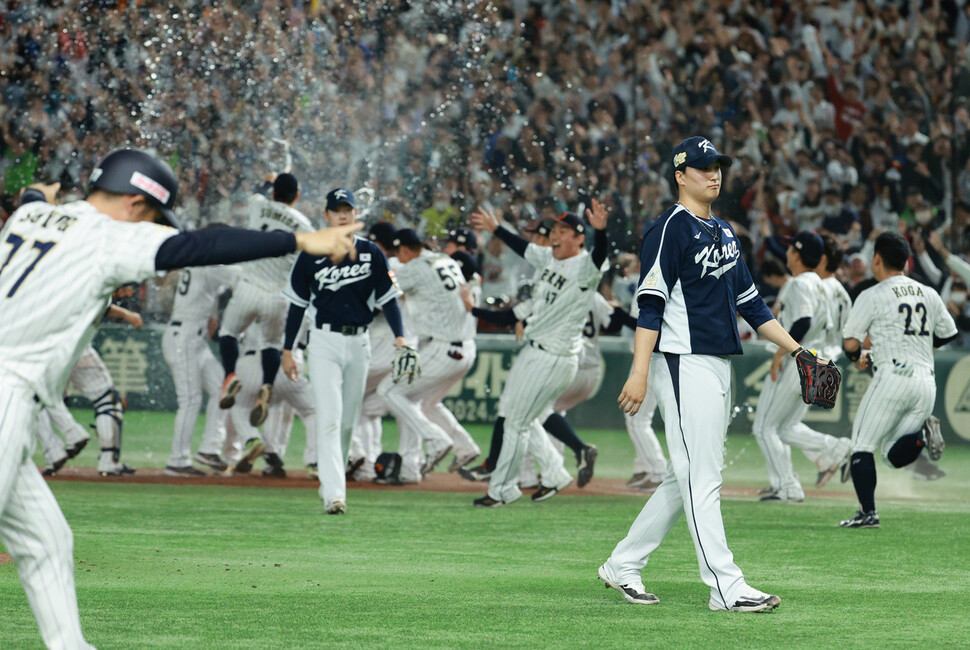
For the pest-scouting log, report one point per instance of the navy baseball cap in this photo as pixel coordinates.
(383, 233)
(467, 263)
(286, 185)
(339, 196)
(699, 153)
(571, 220)
(542, 228)
(406, 237)
(464, 237)
(809, 245)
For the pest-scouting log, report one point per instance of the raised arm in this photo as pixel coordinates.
(485, 219)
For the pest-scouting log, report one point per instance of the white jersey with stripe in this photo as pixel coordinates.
(59, 265)
(838, 304)
(197, 290)
(470, 328)
(901, 316)
(597, 318)
(431, 284)
(562, 296)
(272, 273)
(804, 296)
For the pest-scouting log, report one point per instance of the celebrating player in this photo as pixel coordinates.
(904, 321)
(343, 295)
(562, 297)
(86, 250)
(693, 281)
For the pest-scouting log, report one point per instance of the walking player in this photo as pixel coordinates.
(61, 264)
(562, 297)
(693, 281)
(904, 320)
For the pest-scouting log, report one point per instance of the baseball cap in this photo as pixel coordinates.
(383, 233)
(286, 185)
(406, 237)
(697, 152)
(338, 196)
(464, 237)
(133, 171)
(467, 263)
(809, 245)
(571, 220)
(542, 227)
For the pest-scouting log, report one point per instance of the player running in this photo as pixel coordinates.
(904, 321)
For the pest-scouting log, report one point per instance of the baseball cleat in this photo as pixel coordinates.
(636, 480)
(587, 458)
(461, 459)
(634, 593)
(765, 491)
(846, 471)
(933, 437)
(188, 471)
(544, 492)
(311, 471)
(261, 408)
(783, 497)
(433, 459)
(752, 601)
(274, 466)
(337, 508)
(487, 502)
(230, 387)
(75, 448)
(49, 471)
(826, 475)
(861, 520)
(211, 460)
(354, 464)
(254, 449)
(118, 469)
(478, 473)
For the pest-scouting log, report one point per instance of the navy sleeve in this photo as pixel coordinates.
(660, 257)
(513, 241)
(651, 312)
(800, 328)
(385, 289)
(293, 320)
(32, 195)
(501, 317)
(599, 247)
(392, 312)
(939, 342)
(265, 188)
(221, 246)
(621, 318)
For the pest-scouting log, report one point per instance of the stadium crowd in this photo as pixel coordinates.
(847, 117)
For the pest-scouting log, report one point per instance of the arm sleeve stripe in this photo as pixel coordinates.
(748, 295)
(295, 299)
(390, 295)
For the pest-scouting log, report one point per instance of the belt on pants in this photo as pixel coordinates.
(249, 353)
(536, 345)
(346, 330)
(178, 323)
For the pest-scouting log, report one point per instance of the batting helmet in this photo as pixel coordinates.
(131, 171)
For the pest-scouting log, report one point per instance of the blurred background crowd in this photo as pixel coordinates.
(845, 117)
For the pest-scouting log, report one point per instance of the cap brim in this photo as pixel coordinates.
(340, 203)
(168, 215)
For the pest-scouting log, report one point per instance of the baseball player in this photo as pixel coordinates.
(365, 445)
(256, 297)
(194, 367)
(60, 265)
(342, 298)
(56, 451)
(430, 282)
(292, 397)
(805, 314)
(562, 297)
(904, 321)
(461, 240)
(693, 282)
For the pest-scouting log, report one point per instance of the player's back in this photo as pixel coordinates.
(198, 288)
(598, 317)
(838, 304)
(431, 285)
(58, 267)
(901, 317)
(805, 297)
(271, 274)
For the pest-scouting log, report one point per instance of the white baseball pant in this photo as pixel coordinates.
(437, 412)
(536, 379)
(366, 441)
(693, 392)
(32, 527)
(338, 374)
(649, 454)
(60, 417)
(251, 304)
(777, 425)
(194, 369)
(893, 406)
(91, 376)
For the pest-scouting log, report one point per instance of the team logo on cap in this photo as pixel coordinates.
(146, 184)
(340, 194)
(680, 159)
(705, 145)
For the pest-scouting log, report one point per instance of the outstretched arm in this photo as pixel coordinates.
(485, 219)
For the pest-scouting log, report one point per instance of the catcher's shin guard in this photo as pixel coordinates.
(108, 420)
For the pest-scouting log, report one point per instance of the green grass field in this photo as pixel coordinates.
(221, 567)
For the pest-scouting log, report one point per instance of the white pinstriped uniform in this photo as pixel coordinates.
(649, 458)
(562, 296)
(289, 397)
(901, 316)
(58, 416)
(780, 407)
(60, 266)
(437, 316)
(257, 297)
(193, 365)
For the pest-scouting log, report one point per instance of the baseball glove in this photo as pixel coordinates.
(820, 381)
(405, 364)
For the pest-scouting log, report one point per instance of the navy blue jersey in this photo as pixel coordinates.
(695, 266)
(346, 293)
